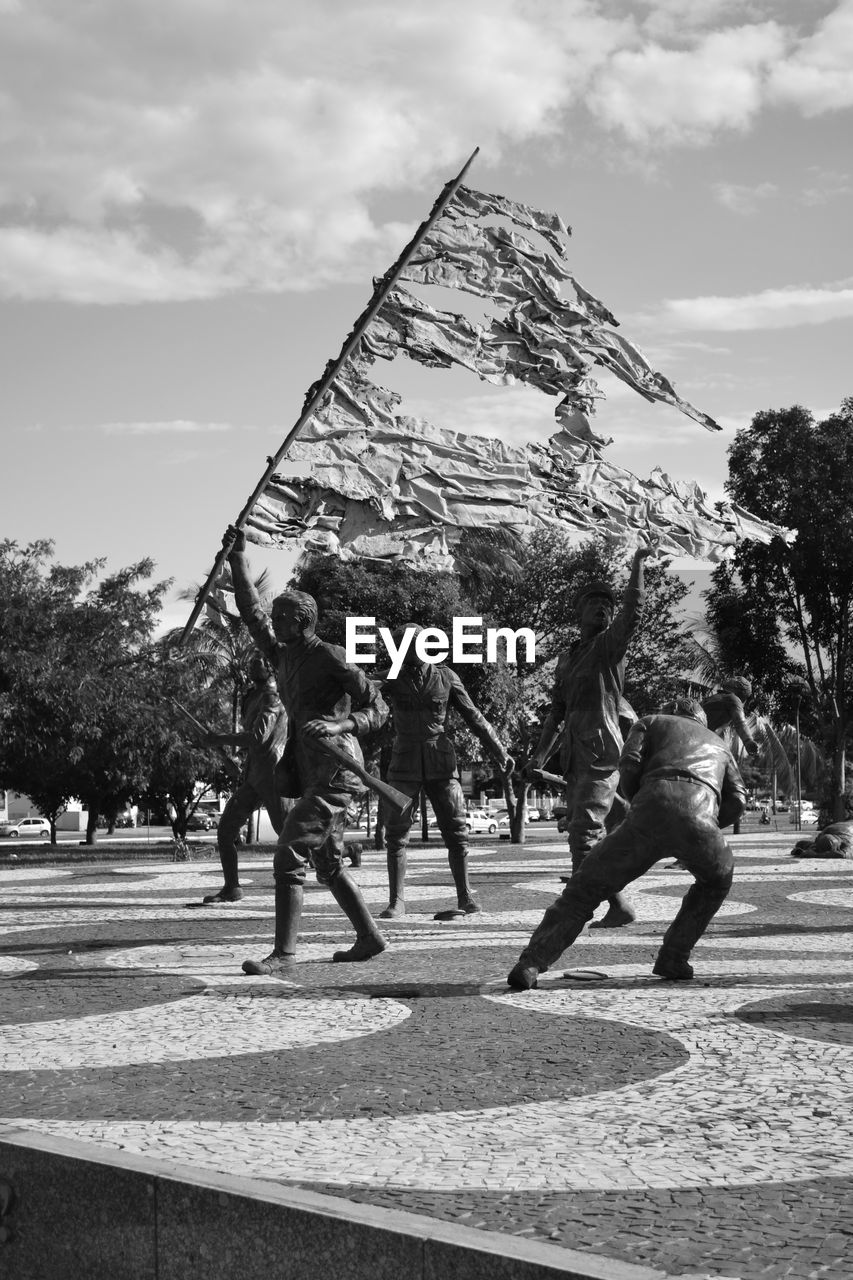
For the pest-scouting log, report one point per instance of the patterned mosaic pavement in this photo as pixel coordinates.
(705, 1129)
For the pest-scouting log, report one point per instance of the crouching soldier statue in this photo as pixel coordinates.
(423, 757)
(683, 785)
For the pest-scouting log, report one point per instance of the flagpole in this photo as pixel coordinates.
(318, 390)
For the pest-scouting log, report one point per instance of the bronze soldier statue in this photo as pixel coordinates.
(586, 699)
(423, 758)
(324, 697)
(263, 738)
(683, 785)
(725, 707)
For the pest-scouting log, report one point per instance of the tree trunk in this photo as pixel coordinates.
(839, 808)
(53, 839)
(424, 818)
(252, 828)
(516, 805)
(92, 826)
(379, 829)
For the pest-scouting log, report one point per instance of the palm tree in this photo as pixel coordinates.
(221, 642)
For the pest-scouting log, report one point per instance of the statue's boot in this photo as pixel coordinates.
(672, 965)
(557, 930)
(698, 907)
(396, 885)
(619, 912)
(368, 940)
(288, 914)
(467, 905)
(231, 891)
(523, 976)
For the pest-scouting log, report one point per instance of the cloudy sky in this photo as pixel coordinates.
(195, 195)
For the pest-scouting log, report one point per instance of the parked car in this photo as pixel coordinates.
(479, 821)
(201, 822)
(561, 813)
(503, 817)
(809, 813)
(39, 827)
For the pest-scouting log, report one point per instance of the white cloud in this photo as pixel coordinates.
(87, 264)
(153, 151)
(770, 309)
(740, 198)
(824, 185)
(655, 94)
(818, 74)
(178, 426)
(228, 147)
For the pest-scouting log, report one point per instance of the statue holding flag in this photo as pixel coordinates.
(325, 698)
(423, 758)
(586, 700)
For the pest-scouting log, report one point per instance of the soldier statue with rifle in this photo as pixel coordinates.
(262, 738)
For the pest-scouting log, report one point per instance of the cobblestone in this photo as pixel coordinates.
(705, 1128)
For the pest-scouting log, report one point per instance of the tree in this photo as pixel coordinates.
(796, 599)
(81, 683)
(221, 640)
(181, 768)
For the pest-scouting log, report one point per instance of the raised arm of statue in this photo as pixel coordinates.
(245, 593)
(626, 619)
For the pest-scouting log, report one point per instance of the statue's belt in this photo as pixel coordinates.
(681, 775)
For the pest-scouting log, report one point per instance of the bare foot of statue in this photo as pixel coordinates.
(233, 894)
(467, 908)
(393, 910)
(615, 918)
(274, 966)
(362, 949)
(524, 977)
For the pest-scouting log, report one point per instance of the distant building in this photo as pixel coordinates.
(14, 806)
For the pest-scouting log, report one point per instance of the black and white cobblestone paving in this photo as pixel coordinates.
(705, 1129)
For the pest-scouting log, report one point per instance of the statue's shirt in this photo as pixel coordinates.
(422, 751)
(587, 691)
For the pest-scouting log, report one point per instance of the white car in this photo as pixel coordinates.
(480, 822)
(503, 819)
(809, 813)
(39, 827)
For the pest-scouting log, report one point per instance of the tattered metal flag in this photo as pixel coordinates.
(365, 479)
(359, 476)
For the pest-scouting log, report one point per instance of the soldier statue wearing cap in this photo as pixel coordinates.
(684, 786)
(586, 699)
(725, 707)
(423, 759)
